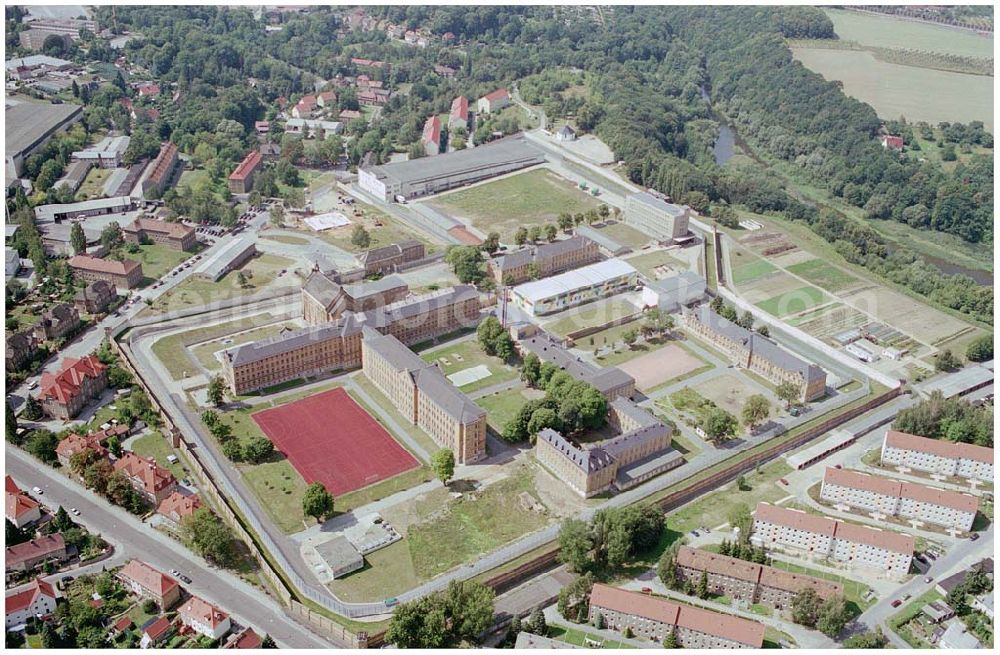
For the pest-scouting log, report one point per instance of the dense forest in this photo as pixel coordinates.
(655, 77)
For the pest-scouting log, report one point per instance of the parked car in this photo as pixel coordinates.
(37, 490)
(783, 481)
(186, 579)
(175, 573)
(928, 579)
(75, 511)
(973, 536)
(838, 466)
(647, 590)
(896, 603)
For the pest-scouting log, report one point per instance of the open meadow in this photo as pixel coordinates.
(889, 32)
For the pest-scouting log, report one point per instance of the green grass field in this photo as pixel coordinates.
(157, 260)
(156, 446)
(751, 271)
(280, 488)
(854, 591)
(93, 184)
(387, 572)
(501, 407)
(590, 315)
(386, 232)
(579, 638)
(888, 32)
(533, 198)
(794, 301)
(824, 275)
(260, 272)
(171, 351)
(471, 354)
(474, 524)
(624, 234)
(894, 90)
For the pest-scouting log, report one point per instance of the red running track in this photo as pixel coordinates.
(329, 438)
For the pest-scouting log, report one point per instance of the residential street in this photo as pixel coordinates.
(132, 538)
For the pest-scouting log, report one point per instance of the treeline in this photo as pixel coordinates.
(948, 419)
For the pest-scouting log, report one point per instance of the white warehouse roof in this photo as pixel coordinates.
(581, 278)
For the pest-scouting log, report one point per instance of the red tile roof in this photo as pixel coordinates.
(76, 443)
(121, 624)
(196, 609)
(859, 534)
(328, 96)
(946, 449)
(350, 114)
(180, 505)
(157, 628)
(17, 503)
(41, 547)
(497, 95)
(65, 385)
(707, 622)
(97, 265)
(163, 164)
(247, 166)
(432, 130)
(148, 578)
(10, 486)
(149, 90)
(460, 108)
(24, 599)
(246, 639)
(899, 489)
(893, 142)
(153, 476)
(177, 230)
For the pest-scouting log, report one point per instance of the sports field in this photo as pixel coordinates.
(329, 438)
(535, 197)
(655, 368)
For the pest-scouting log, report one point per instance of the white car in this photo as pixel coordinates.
(175, 573)
(75, 511)
(37, 490)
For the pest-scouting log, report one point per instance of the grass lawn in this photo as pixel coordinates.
(205, 352)
(625, 234)
(382, 229)
(647, 262)
(387, 572)
(532, 198)
(383, 489)
(824, 275)
(501, 407)
(93, 184)
(474, 524)
(854, 591)
(579, 637)
(155, 445)
(683, 446)
(471, 354)
(794, 301)
(171, 351)
(590, 315)
(260, 272)
(157, 260)
(279, 487)
(284, 238)
(712, 510)
(750, 271)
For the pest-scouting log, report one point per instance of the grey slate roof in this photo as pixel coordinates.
(631, 439)
(661, 205)
(588, 461)
(758, 345)
(27, 123)
(633, 411)
(371, 287)
(428, 379)
(524, 256)
(416, 305)
(321, 288)
(549, 349)
(291, 341)
(386, 252)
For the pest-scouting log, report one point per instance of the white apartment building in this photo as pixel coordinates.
(822, 537)
(204, 618)
(948, 509)
(961, 460)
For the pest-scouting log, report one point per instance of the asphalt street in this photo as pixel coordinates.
(133, 538)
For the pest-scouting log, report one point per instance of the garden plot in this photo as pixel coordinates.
(824, 322)
(923, 323)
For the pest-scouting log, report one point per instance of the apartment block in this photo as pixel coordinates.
(125, 274)
(756, 353)
(655, 618)
(157, 176)
(174, 235)
(749, 582)
(544, 260)
(652, 213)
(422, 394)
(63, 394)
(907, 500)
(961, 460)
(241, 179)
(324, 300)
(826, 538)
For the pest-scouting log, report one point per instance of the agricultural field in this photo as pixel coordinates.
(828, 320)
(467, 355)
(536, 197)
(894, 90)
(259, 272)
(656, 265)
(590, 315)
(921, 322)
(743, 273)
(885, 31)
(824, 275)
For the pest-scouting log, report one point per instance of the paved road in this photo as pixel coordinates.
(133, 538)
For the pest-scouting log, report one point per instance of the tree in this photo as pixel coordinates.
(277, 214)
(241, 279)
(209, 537)
(789, 392)
(14, 534)
(741, 484)
(739, 517)
(630, 337)
(534, 233)
(257, 448)
(670, 641)
(360, 237)
(62, 521)
(719, 424)
(575, 545)
(42, 444)
(566, 222)
(867, 640)
(268, 642)
(217, 390)
(32, 409)
(443, 619)
(805, 607)
(834, 616)
(77, 239)
(443, 465)
(112, 236)
(947, 361)
(536, 623)
(666, 568)
(492, 242)
(317, 502)
(10, 423)
(466, 262)
(488, 333)
(701, 589)
(756, 409)
(980, 349)
(530, 369)
(551, 231)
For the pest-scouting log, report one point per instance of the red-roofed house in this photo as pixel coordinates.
(890, 142)
(432, 135)
(30, 554)
(65, 393)
(493, 101)
(246, 639)
(178, 507)
(76, 443)
(153, 482)
(143, 580)
(20, 509)
(149, 90)
(459, 116)
(38, 600)
(156, 632)
(241, 180)
(326, 99)
(655, 618)
(262, 127)
(160, 171)
(204, 618)
(175, 235)
(371, 98)
(305, 107)
(125, 274)
(349, 115)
